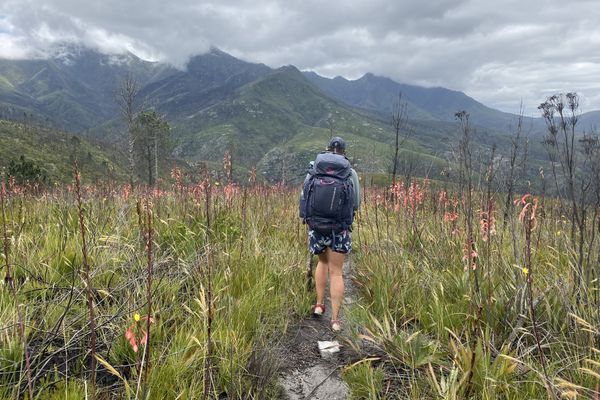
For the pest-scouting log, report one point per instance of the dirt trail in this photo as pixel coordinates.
(304, 373)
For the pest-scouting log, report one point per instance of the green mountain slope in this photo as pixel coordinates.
(278, 123)
(74, 90)
(53, 152)
(273, 119)
(380, 94)
(207, 79)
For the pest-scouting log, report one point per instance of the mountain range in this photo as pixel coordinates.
(275, 119)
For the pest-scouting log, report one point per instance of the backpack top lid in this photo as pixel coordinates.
(332, 164)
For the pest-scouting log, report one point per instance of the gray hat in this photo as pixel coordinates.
(338, 144)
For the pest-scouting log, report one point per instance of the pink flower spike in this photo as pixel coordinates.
(133, 344)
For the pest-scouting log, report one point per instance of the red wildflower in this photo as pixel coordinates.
(135, 330)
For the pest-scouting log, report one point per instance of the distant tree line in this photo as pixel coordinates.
(26, 171)
(148, 135)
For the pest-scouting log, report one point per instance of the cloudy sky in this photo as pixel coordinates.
(499, 52)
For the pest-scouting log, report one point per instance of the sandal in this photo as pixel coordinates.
(318, 309)
(336, 325)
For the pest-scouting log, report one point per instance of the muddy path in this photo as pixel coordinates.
(304, 373)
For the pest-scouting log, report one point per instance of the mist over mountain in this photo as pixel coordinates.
(75, 90)
(275, 119)
(208, 79)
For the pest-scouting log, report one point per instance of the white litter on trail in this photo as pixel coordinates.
(328, 348)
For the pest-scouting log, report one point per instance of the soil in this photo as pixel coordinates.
(304, 373)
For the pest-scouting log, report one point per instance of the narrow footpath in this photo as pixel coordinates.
(305, 373)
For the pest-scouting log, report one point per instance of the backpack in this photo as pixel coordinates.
(327, 200)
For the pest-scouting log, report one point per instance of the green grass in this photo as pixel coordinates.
(258, 285)
(420, 305)
(438, 337)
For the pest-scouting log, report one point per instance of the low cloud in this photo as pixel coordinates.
(501, 55)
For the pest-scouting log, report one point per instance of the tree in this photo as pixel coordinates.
(151, 144)
(571, 168)
(465, 176)
(399, 119)
(75, 144)
(126, 98)
(516, 151)
(25, 171)
(330, 125)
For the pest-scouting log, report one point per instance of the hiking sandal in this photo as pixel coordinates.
(318, 309)
(336, 325)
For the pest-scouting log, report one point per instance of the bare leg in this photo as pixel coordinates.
(336, 281)
(321, 273)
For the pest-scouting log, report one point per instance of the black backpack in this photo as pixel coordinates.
(327, 200)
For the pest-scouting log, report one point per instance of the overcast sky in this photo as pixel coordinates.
(498, 52)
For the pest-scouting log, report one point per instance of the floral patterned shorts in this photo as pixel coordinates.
(340, 242)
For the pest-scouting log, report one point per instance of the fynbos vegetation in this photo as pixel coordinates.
(184, 290)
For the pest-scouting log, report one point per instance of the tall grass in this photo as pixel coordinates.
(87, 282)
(417, 304)
(220, 274)
(157, 262)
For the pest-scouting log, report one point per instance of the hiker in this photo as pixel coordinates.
(329, 199)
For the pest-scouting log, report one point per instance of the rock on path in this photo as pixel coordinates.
(316, 382)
